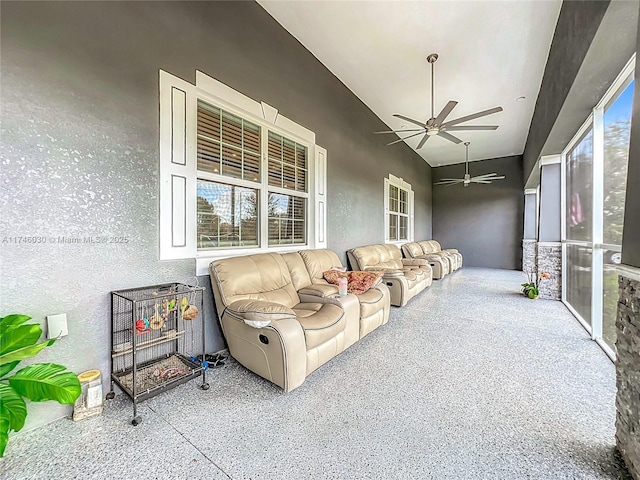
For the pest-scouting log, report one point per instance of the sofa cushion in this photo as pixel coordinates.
(370, 302)
(320, 322)
(319, 261)
(263, 276)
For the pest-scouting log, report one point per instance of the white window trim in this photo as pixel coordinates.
(401, 184)
(178, 168)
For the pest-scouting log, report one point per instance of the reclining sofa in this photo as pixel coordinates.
(282, 321)
(451, 254)
(439, 264)
(404, 277)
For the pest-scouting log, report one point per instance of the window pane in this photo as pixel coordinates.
(287, 219)
(610, 297)
(227, 215)
(617, 129)
(580, 189)
(393, 198)
(579, 280)
(227, 144)
(287, 163)
(403, 201)
(393, 227)
(402, 228)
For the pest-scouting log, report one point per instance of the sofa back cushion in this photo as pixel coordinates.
(254, 277)
(436, 245)
(319, 261)
(297, 269)
(412, 250)
(377, 256)
(427, 246)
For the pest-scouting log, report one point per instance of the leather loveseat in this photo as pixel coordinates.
(451, 254)
(281, 325)
(404, 277)
(439, 264)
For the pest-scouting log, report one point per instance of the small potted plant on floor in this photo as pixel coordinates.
(531, 288)
(38, 382)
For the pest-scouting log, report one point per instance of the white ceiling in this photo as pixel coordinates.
(490, 53)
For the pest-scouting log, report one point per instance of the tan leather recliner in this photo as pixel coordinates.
(439, 265)
(404, 277)
(452, 251)
(269, 328)
(452, 255)
(374, 303)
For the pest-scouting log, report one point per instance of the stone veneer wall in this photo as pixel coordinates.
(549, 260)
(628, 374)
(529, 256)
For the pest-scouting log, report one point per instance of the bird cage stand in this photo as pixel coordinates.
(156, 341)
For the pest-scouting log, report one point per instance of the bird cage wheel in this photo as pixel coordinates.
(111, 395)
(205, 386)
(136, 421)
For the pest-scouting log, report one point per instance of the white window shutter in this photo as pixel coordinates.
(178, 178)
(411, 216)
(321, 197)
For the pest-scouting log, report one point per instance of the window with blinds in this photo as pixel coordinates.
(399, 215)
(227, 144)
(229, 153)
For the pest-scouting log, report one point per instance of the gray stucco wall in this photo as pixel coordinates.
(483, 221)
(577, 24)
(530, 217)
(550, 193)
(80, 155)
(631, 233)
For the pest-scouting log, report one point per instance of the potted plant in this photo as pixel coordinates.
(531, 289)
(38, 382)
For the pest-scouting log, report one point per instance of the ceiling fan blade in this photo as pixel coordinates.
(471, 127)
(479, 181)
(408, 119)
(445, 112)
(404, 138)
(449, 137)
(448, 181)
(422, 142)
(400, 131)
(473, 116)
(489, 176)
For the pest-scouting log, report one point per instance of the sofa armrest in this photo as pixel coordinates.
(414, 262)
(259, 313)
(319, 290)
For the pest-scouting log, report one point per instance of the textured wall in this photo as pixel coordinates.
(80, 156)
(529, 252)
(628, 374)
(530, 216)
(550, 191)
(631, 234)
(483, 221)
(576, 27)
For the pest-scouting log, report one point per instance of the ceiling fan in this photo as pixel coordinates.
(437, 125)
(486, 178)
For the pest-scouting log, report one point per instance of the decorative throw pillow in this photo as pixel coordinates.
(358, 282)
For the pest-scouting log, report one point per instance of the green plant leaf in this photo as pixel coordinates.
(531, 294)
(46, 381)
(6, 368)
(19, 337)
(4, 434)
(12, 407)
(12, 321)
(26, 352)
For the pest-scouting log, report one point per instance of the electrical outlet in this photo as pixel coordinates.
(57, 326)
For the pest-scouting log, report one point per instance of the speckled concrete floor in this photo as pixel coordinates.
(470, 380)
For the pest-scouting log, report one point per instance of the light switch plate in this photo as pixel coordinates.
(57, 325)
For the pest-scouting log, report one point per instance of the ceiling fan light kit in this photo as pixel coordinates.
(468, 179)
(436, 126)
